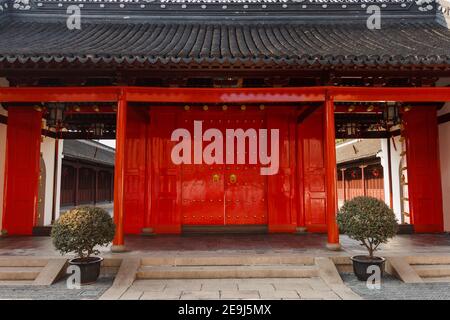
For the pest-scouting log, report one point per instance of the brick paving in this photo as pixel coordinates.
(252, 289)
(394, 289)
(57, 291)
(308, 244)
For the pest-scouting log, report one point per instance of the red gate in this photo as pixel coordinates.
(220, 193)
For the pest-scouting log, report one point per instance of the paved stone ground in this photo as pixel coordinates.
(241, 289)
(394, 289)
(308, 244)
(57, 291)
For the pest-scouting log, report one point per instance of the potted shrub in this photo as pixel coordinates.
(80, 230)
(371, 222)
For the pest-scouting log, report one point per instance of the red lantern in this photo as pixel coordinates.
(375, 173)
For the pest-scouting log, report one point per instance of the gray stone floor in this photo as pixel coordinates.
(58, 291)
(308, 244)
(234, 289)
(391, 289)
(394, 289)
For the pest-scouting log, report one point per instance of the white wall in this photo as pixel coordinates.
(2, 167)
(3, 83)
(48, 154)
(395, 163)
(444, 152)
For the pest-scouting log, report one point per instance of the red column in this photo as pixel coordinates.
(21, 170)
(343, 184)
(331, 176)
(119, 175)
(363, 179)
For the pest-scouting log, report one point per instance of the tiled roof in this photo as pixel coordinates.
(358, 149)
(89, 151)
(418, 43)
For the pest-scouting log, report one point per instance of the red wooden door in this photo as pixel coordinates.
(202, 185)
(245, 187)
(424, 180)
(224, 194)
(313, 171)
(22, 170)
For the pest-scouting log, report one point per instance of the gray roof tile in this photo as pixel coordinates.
(402, 43)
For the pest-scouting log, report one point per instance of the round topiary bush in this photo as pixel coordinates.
(81, 229)
(367, 220)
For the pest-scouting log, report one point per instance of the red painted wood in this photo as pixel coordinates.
(330, 172)
(135, 170)
(311, 138)
(245, 199)
(227, 95)
(282, 194)
(424, 179)
(166, 176)
(22, 170)
(203, 186)
(350, 183)
(189, 194)
(119, 172)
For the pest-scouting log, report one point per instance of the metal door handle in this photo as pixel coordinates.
(216, 177)
(233, 178)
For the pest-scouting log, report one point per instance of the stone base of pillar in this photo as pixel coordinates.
(334, 246)
(117, 248)
(147, 232)
(301, 230)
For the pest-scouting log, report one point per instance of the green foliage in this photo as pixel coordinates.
(81, 229)
(367, 220)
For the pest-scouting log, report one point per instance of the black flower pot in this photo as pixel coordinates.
(89, 268)
(362, 263)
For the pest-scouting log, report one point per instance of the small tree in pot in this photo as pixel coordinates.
(371, 222)
(80, 230)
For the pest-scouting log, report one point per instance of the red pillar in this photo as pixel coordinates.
(21, 170)
(343, 184)
(119, 175)
(331, 176)
(363, 180)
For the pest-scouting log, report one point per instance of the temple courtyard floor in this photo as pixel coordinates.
(275, 266)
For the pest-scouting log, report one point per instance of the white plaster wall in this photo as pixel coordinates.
(395, 163)
(444, 153)
(58, 177)
(3, 83)
(2, 167)
(48, 154)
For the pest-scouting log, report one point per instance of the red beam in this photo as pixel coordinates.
(223, 95)
(60, 94)
(354, 94)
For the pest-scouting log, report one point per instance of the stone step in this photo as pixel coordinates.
(19, 273)
(23, 262)
(429, 259)
(437, 279)
(226, 272)
(432, 270)
(247, 260)
(16, 282)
